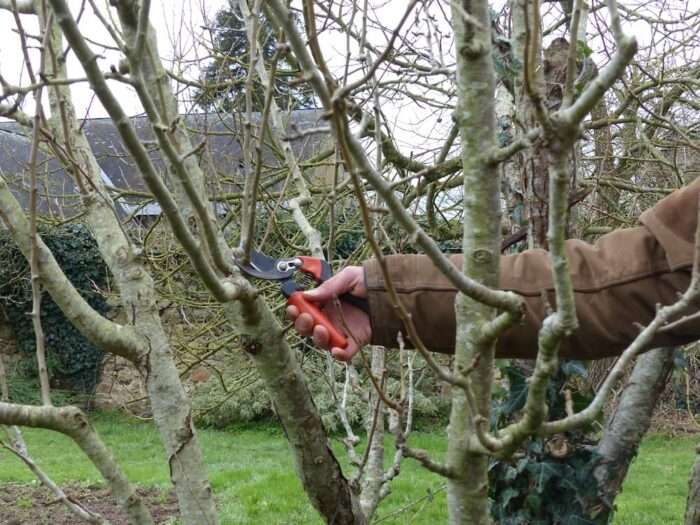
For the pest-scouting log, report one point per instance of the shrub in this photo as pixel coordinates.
(73, 362)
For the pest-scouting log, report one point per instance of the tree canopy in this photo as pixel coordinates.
(226, 74)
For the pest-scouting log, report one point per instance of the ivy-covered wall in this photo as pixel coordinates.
(73, 362)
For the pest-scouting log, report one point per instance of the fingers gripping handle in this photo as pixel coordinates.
(336, 339)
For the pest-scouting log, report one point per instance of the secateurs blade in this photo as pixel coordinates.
(264, 267)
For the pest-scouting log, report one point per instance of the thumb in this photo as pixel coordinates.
(345, 354)
(335, 286)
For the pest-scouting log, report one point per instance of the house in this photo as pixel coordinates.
(221, 160)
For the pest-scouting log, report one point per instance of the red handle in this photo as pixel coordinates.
(314, 267)
(336, 338)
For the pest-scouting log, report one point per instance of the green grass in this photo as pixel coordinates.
(250, 469)
(655, 490)
(253, 477)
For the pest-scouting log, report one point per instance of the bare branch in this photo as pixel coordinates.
(312, 235)
(74, 506)
(627, 46)
(349, 88)
(423, 458)
(223, 290)
(141, 32)
(73, 423)
(252, 175)
(25, 7)
(568, 95)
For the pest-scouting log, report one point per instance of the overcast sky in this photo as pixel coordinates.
(175, 22)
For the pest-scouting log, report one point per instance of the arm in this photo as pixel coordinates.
(618, 282)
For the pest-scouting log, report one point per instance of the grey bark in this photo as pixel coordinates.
(532, 162)
(73, 423)
(374, 469)
(626, 427)
(692, 504)
(467, 498)
(169, 402)
(319, 471)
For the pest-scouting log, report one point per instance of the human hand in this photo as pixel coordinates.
(346, 318)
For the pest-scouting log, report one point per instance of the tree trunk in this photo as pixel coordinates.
(533, 162)
(467, 490)
(374, 469)
(170, 404)
(692, 504)
(626, 427)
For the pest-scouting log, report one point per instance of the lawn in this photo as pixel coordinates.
(252, 474)
(655, 490)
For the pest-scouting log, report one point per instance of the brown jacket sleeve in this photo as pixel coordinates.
(617, 281)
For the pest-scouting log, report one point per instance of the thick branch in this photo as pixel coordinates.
(626, 427)
(73, 423)
(222, 290)
(319, 471)
(109, 336)
(252, 174)
(627, 47)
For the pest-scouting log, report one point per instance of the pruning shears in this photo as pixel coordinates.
(284, 270)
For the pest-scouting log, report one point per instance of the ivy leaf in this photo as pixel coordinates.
(522, 464)
(574, 519)
(517, 394)
(520, 518)
(507, 495)
(71, 359)
(680, 361)
(511, 474)
(581, 399)
(536, 447)
(533, 502)
(542, 472)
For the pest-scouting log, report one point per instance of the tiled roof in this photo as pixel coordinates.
(220, 159)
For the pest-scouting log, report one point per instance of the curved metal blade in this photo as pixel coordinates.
(264, 267)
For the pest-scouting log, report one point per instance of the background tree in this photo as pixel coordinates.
(225, 76)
